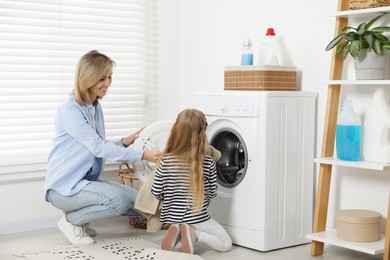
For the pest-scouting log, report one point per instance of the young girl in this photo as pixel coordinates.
(185, 181)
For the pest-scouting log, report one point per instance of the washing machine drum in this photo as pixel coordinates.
(231, 167)
(153, 137)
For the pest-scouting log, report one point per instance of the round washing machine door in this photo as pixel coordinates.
(232, 167)
(153, 137)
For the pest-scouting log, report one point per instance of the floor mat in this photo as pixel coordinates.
(132, 248)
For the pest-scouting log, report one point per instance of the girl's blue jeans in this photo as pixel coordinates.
(98, 200)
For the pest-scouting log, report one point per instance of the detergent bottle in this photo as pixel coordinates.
(247, 52)
(270, 52)
(348, 133)
(376, 137)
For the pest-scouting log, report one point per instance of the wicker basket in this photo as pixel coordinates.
(264, 77)
(363, 4)
(128, 178)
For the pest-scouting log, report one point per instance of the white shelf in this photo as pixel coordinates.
(359, 82)
(354, 164)
(330, 237)
(363, 12)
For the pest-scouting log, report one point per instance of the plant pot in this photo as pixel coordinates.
(369, 65)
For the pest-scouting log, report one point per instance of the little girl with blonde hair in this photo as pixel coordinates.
(186, 181)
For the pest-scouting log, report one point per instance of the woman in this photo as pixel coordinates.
(79, 150)
(186, 181)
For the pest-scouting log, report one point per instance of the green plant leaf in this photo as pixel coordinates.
(349, 28)
(380, 29)
(370, 23)
(377, 47)
(369, 38)
(355, 48)
(380, 37)
(362, 28)
(341, 47)
(386, 45)
(351, 37)
(334, 42)
(346, 51)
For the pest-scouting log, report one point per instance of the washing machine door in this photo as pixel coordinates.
(232, 166)
(153, 137)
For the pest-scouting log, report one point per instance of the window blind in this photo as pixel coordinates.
(41, 42)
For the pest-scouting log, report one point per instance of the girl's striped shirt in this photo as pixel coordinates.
(171, 185)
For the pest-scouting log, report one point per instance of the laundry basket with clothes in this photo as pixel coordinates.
(128, 177)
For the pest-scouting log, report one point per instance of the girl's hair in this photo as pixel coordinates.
(90, 69)
(187, 141)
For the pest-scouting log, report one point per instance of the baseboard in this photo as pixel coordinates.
(28, 225)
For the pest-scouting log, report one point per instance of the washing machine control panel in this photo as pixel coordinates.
(238, 106)
(229, 104)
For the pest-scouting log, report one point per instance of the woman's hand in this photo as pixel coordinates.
(151, 155)
(128, 140)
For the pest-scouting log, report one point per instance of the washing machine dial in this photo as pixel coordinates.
(225, 108)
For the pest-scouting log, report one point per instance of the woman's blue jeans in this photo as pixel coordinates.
(98, 200)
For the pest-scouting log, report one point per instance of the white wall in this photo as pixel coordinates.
(23, 207)
(169, 59)
(212, 32)
(197, 39)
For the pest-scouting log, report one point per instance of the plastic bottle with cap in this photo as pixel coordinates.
(270, 52)
(376, 137)
(348, 133)
(247, 52)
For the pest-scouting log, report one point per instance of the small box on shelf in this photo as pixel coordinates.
(358, 225)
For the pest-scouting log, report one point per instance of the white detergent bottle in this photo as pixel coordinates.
(270, 52)
(376, 137)
(348, 133)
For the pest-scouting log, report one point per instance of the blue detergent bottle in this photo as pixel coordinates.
(348, 133)
(247, 52)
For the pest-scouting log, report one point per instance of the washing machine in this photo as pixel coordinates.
(265, 174)
(152, 137)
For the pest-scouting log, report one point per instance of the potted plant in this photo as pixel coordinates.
(364, 43)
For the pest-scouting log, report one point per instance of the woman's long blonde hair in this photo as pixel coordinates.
(187, 141)
(90, 69)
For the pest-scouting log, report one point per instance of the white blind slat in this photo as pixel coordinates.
(41, 42)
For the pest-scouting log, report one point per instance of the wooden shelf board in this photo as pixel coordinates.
(358, 164)
(359, 82)
(330, 237)
(363, 12)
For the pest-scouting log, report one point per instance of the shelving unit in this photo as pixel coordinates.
(359, 164)
(326, 162)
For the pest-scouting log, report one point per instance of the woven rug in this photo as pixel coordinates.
(132, 248)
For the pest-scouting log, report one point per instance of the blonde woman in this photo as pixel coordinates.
(185, 181)
(76, 160)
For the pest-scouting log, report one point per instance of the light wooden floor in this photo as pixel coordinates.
(119, 227)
